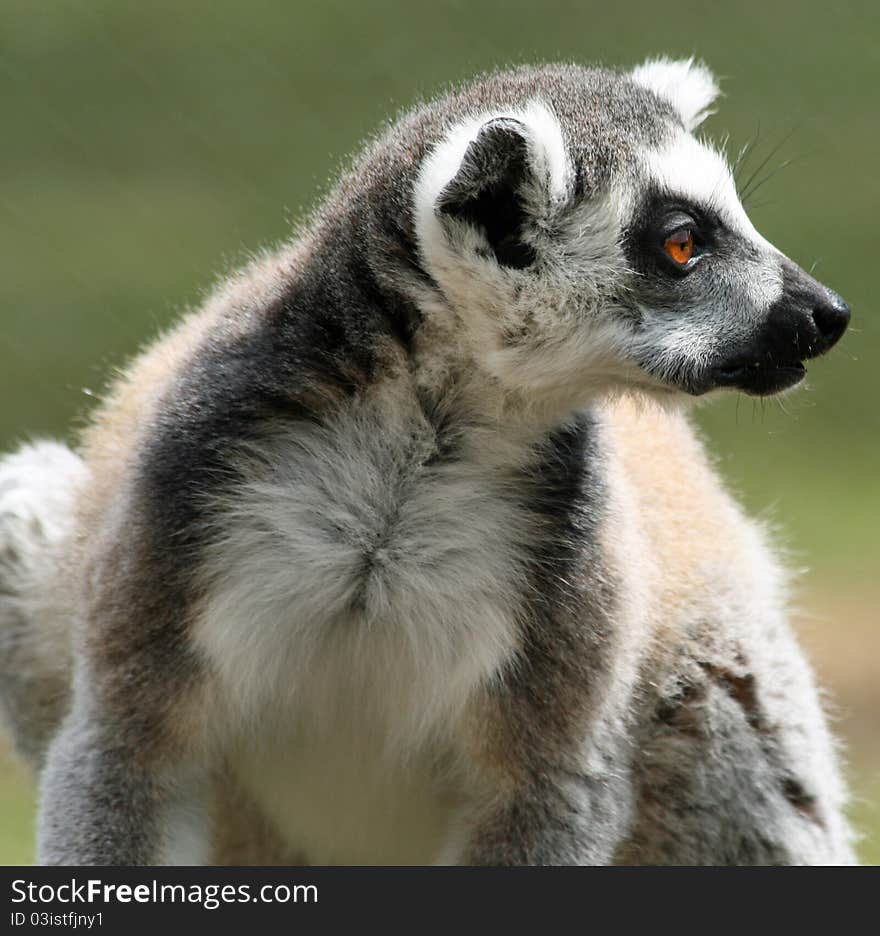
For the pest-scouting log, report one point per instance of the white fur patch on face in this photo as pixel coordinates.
(691, 169)
(547, 150)
(688, 85)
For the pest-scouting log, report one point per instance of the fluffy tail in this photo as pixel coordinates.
(37, 490)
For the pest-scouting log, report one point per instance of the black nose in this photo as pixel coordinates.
(831, 317)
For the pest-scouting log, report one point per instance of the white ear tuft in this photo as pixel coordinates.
(688, 85)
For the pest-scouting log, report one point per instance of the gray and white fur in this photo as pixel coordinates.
(402, 549)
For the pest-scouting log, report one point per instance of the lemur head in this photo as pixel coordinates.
(585, 239)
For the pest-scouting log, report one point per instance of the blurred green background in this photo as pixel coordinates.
(145, 147)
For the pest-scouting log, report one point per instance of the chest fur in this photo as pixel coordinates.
(356, 571)
(366, 579)
(331, 800)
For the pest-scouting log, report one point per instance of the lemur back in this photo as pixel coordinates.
(402, 549)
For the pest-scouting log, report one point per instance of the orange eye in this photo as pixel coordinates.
(680, 246)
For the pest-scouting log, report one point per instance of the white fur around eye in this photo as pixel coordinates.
(688, 85)
(688, 167)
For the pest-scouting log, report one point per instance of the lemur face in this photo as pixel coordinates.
(715, 304)
(601, 245)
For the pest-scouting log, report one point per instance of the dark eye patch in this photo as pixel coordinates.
(661, 215)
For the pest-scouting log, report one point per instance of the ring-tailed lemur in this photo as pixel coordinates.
(401, 549)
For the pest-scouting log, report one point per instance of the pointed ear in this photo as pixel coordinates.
(488, 191)
(687, 85)
(497, 175)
